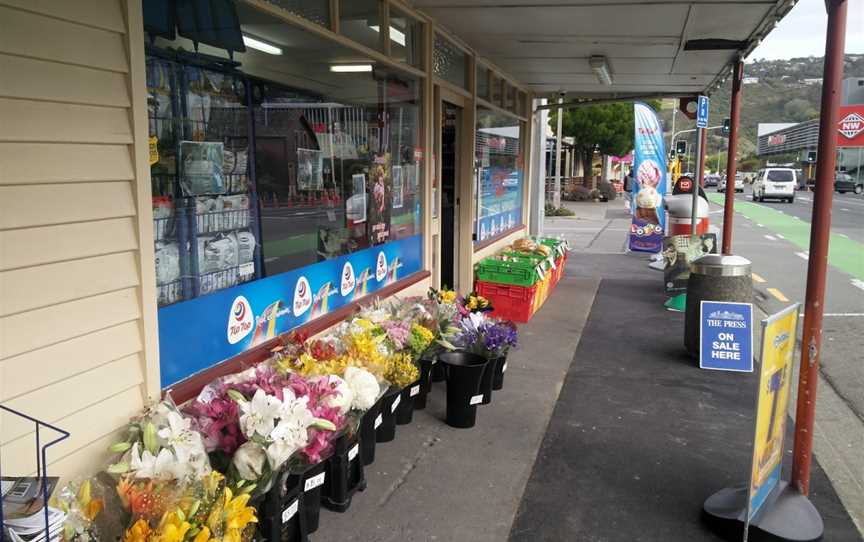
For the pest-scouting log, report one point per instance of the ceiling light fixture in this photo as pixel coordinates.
(395, 34)
(262, 46)
(600, 67)
(351, 68)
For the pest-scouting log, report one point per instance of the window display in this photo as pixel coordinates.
(498, 174)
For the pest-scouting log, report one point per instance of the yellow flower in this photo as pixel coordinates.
(203, 536)
(173, 528)
(448, 296)
(237, 516)
(472, 304)
(139, 532)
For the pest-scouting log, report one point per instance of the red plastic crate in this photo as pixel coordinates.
(516, 303)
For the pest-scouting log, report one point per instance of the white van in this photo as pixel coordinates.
(775, 182)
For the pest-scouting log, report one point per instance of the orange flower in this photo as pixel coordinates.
(139, 532)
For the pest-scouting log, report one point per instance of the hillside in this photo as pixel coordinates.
(774, 91)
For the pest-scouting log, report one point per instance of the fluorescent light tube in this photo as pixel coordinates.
(351, 68)
(395, 34)
(600, 67)
(261, 46)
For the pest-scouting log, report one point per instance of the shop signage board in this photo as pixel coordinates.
(649, 166)
(779, 336)
(702, 112)
(199, 333)
(726, 334)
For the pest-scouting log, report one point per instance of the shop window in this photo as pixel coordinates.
(497, 96)
(522, 107)
(482, 82)
(498, 174)
(449, 62)
(509, 98)
(317, 11)
(360, 20)
(286, 183)
(406, 38)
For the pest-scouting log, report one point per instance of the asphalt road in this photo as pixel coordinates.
(775, 237)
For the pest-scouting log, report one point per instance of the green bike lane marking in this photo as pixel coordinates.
(843, 253)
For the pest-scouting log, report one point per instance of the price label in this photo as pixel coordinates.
(314, 482)
(540, 272)
(379, 420)
(504, 368)
(415, 390)
(396, 403)
(207, 395)
(476, 400)
(289, 512)
(247, 269)
(352, 453)
(153, 144)
(552, 263)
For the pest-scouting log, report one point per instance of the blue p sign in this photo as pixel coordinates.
(702, 112)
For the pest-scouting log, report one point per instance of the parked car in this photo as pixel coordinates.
(712, 179)
(739, 183)
(776, 183)
(843, 182)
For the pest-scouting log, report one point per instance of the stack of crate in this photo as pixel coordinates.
(518, 283)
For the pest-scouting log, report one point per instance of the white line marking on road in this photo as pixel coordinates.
(770, 237)
(795, 217)
(780, 236)
(760, 225)
(842, 314)
(858, 283)
(845, 209)
(803, 255)
(803, 198)
(843, 235)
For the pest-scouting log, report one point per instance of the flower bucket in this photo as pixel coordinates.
(370, 421)
(386, 431)
(280, 511)
(500, 369)
(464, 372)
(405, 410)
(425, 381)
(486, 380)
(344, 473)
(310, 481)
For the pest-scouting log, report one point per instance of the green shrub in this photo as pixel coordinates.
(551, 210)
(607, 191)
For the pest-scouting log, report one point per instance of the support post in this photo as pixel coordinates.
(556, 194)
(817, 264)
(701, 143)
(731, 154)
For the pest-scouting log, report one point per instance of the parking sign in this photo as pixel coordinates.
(702, 112)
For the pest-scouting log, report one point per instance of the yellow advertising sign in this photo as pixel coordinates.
(154, 150)
(778, 351)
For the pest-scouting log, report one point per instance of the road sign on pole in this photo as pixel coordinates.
(702, 112)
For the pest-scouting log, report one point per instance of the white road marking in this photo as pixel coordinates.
(770, 237)
(780, 236)
(760, 225)
(844, 209)
(803, 255)
(842, 314)
(858, 283)
(795, 217)
(801, 198)
(843, 235)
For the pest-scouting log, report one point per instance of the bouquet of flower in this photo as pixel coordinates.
(82, 501)
(499, 337)
(473, 303)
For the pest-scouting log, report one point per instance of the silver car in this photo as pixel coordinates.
(739, 183)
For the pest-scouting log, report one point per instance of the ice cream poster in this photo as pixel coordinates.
(227, 322)
(649, 166)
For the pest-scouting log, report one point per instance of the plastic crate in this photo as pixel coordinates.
(515, 303)
(517, 273)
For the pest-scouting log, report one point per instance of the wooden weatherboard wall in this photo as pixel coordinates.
(78, 341)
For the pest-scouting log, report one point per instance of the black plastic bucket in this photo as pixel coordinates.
(405, 410)
(500, 369)
(371, 419)
(464, 373)
(344, 473)
(486, 380)
(280, 511)
(310, 481)
(386, 431)
(425, 381)
(439, 372)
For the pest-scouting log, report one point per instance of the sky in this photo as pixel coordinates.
(801, 33)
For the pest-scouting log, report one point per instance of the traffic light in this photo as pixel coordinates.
(725, 130)
(811, 156)
(681, 147)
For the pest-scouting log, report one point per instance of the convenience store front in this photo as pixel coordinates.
(288, 179)
(192, 185)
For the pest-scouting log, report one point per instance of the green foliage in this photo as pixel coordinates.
(551, 210)
(607, 191)
(605, 128)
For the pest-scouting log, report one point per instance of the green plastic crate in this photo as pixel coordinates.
(515, 273)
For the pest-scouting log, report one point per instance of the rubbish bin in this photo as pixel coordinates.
(715, 277)
(680, 207)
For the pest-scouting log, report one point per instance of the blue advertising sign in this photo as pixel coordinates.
(499, 202)
(649, 182)
(726, 331)
(199, 333)
(702, 112)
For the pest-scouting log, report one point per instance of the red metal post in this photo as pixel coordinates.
(811, 342)
(732, 154)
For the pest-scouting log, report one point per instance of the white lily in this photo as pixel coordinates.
(259, 415)
(160, 467)
(343, 396)
(178, 431)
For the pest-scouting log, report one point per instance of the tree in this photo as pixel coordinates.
(604, 128)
